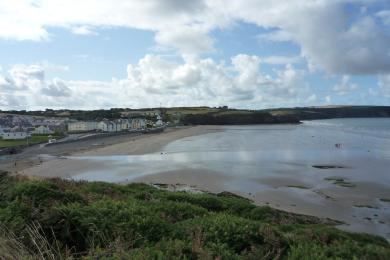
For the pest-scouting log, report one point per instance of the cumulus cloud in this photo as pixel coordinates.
(345, 86)
(154, 80)
(384, 85)
(23, 77)
(171, 19)
(276, 36)
(5, 84)
(83, 30)
(329, 38)
(186, 39)
(385, 16)
(277, 60)
(56, 88)
(10, 101)
(30, 79)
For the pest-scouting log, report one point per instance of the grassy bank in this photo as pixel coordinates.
(58, 219)
(34, 139)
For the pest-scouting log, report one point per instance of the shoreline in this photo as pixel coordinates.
(50, 162)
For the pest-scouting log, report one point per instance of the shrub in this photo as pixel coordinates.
(41, 192)
(238, 234)
(136, 221)
(82, 226)
(178, 211)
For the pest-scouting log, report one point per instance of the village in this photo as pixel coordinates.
(16, 130)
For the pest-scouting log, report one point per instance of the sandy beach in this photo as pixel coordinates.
(49, 162)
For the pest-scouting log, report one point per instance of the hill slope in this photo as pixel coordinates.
(58, 219)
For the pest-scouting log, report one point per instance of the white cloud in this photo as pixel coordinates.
(186, 39)
(345, 86)
(57, 88)
(329, 38)
(312, 98)
(5, 84)
(275, 36)
(30, 80)
(384, 85)
(248, 70)
(154, 80)
(277, 60)
(48, 66)
(23, 21)
(24, 77)
(385, 16)
(83, 30)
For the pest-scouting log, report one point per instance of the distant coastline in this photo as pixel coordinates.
(221, 115)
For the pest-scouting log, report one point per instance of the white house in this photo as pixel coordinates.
(82, 126)
(106, 126)
(118, 125)
(43, 130)
(14, 135)
(125, 124)
(159, 121)
(138, 123)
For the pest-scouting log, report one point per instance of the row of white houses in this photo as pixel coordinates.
(117, 125)
(22, 133)
(14, 135)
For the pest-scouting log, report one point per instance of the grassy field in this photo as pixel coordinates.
(31, 140)
(59, 219)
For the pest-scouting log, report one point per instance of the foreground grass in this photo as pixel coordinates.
(57, 219)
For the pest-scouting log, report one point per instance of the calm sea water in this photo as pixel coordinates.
(379, 127)
(264, 150)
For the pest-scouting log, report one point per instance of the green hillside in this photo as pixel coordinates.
(59, 219)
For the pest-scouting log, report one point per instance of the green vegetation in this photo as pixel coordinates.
(298, 187)
(365, 206)
(307, 113)
(222, 115)
(326, 167)
(34, 139)
(74, 114)
(344, 184)
(236, 118)
(59, 219)
(335, 178)
(340, 182)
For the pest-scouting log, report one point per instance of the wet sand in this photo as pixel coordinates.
(360, 207)
(52, 163)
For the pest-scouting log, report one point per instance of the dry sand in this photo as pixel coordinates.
(151, 143)
(53, 165)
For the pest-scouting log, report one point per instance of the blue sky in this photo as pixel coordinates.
(255, 54)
